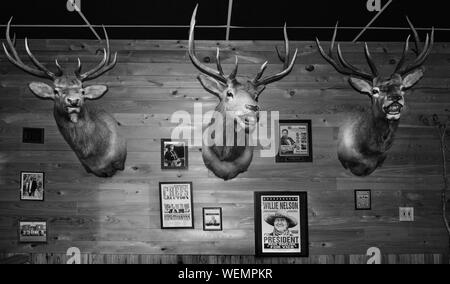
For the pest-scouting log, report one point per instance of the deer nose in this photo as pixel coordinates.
(72, 102)
(252, 108)
(396, 98)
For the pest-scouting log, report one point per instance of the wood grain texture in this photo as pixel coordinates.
(117, 220)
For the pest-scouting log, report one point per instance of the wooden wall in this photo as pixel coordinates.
(120, 216)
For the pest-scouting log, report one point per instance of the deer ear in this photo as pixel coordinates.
(413, 78)
(42, 90)
(94, 92)
(361, 85)
(212, 85)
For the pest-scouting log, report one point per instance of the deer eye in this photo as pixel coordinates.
(56, 92)
(230, 94)
(375, 91)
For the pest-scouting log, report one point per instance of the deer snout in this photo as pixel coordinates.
(73, 102)
(396, 98)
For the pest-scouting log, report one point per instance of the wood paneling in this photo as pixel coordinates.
(117, 220)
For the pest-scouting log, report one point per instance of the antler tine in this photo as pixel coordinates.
(42, 72)
(422, 57)
(219, 64)
(200, 66)
(104, 66)
(369, 59)
(344, 67)
(402, 60)
(287, 66)
(39, 64)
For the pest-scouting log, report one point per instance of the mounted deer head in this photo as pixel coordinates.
(364, 140)
(91, 133)
(238, 102)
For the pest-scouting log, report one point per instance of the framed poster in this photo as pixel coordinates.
(174, 155)
(295, 142)
(212, 219)
(363, 199)
(32, 186)
(177, 206)
(33, 232)
(281, 224)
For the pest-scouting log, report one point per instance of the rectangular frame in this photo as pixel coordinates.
(204, 219)
(302, 224)
(34, 130)
(19, 231)
(186, 155)
(191, 203)
(22, 185)
(295, 158)
(358, 196)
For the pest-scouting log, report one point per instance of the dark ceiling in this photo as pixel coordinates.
(246, 13)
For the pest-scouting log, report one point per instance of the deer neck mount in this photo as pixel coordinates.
(364, 139)
(238, 106)
(92, 134)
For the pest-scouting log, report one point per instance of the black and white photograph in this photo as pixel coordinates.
(177, 205)
(281, 224)
(174, 155)
(363, 199)
(225, 132)
(32, 186)
(212, 219)
(295, 141)
(33, 232)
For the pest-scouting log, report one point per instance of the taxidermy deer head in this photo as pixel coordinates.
(91, 133)
(365, 138)
(238, 104)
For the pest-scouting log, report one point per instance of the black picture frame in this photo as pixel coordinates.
(32, 239)
(40, 186)
(305, 152)
(165, 213)
(287, 201)
(363, 199)
(180, 151)
(33, 135)
(218, 211)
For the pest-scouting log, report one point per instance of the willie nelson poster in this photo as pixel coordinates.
(281, 224)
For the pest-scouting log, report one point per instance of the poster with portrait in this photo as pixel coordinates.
(174, 155)
(176, 205)
(295, 141)
(32, 186)
(281, 224)
(212, 219)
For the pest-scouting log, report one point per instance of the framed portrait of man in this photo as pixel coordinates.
(281, 224)
(32, 186)
(174, 155)
(295, 141)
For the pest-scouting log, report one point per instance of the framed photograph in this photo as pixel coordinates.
(177, 206)
(33, 231)
(295, 142)
(174, 155)
(32, 186)
(281, 224)
(212, 219)
(363, 199)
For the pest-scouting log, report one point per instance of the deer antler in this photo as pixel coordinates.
(41, 70)
(287, 67)
(421, 57)
(105, 65)
(343, 66)
(216, 74)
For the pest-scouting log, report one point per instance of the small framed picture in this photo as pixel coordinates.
(295, 142)
(363, 199)
(32, 186)
(177, 205)
(174, 155)
(281, 224)
(33, 231)
(212, 219)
